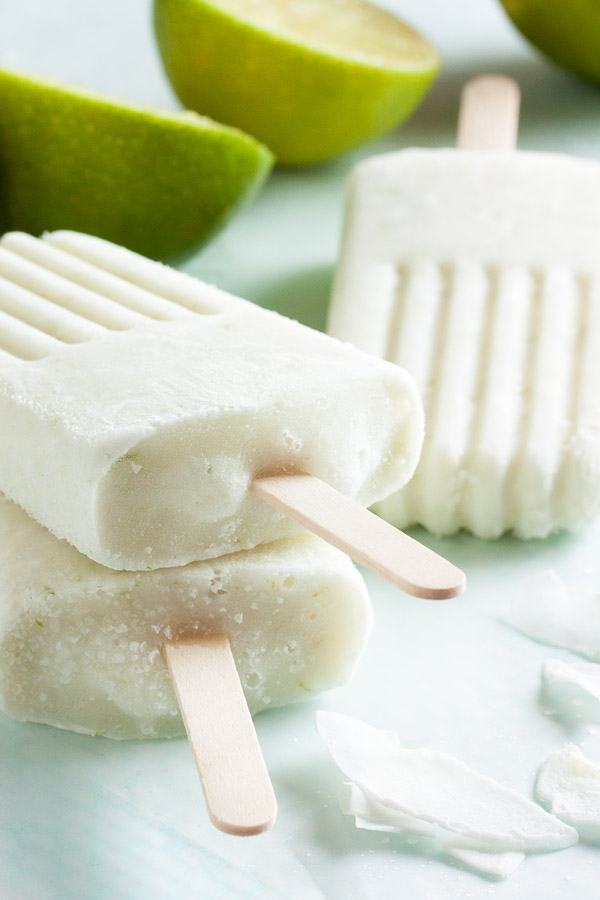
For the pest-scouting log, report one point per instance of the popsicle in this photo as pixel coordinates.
(146, 413)
(81, 645)
(477, 269)
(91, 649)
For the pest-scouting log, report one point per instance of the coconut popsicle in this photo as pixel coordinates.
(477, 270)
(143, 654)
(81, 645)
(145, 406)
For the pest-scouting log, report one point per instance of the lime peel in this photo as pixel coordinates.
(153, 181)
(309, 88)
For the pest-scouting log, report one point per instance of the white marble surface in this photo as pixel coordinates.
(90, 819)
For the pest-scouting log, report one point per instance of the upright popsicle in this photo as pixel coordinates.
(146, 413)
(477, 270)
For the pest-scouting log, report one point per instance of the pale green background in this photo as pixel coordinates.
(90, 819)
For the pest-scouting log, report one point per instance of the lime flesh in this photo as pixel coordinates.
(355, 30)
(158, 183)
(310, 78)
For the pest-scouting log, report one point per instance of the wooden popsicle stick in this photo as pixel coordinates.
(368, 539)
(489, 113)
(236, 785)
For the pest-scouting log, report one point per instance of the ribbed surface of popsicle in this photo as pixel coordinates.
(505, 360)
(40, 279)
(46, 316)
(18, 339)
(150, 277)
(49, 296)
(70, 288)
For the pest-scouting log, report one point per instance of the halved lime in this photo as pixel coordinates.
(567, 31)
(310, 78)
(155, 182)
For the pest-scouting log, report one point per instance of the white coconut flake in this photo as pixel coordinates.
(374, 816)
(570, 784)
(483, 858)
(548, 611)
(437, 788)
(573, 688)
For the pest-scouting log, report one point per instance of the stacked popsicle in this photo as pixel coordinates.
(147, 418)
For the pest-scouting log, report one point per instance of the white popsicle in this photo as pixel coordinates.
(146, 411)
(129, 654)
(477, 270)
(81, 646)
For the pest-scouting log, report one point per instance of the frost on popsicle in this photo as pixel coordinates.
(550, 612)
(486, 826)
(81, 645)
(570, 785)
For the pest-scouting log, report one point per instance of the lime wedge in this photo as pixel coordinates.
(155, 182)
(310, 78)
(567, 31)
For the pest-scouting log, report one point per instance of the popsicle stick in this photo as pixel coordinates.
(489, 113)
(236, 785)
(361, 534)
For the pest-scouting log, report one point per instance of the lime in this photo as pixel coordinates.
(567, 32)
(310, 78)
(155, 182)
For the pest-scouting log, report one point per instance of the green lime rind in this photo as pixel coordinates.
(159, 183)
(566, 32)
(305, 102)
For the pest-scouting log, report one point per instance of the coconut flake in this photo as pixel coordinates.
(548, 611)
(374, 816)
(570, 784)
(437, 788)
(483, 858)
(573, 687)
